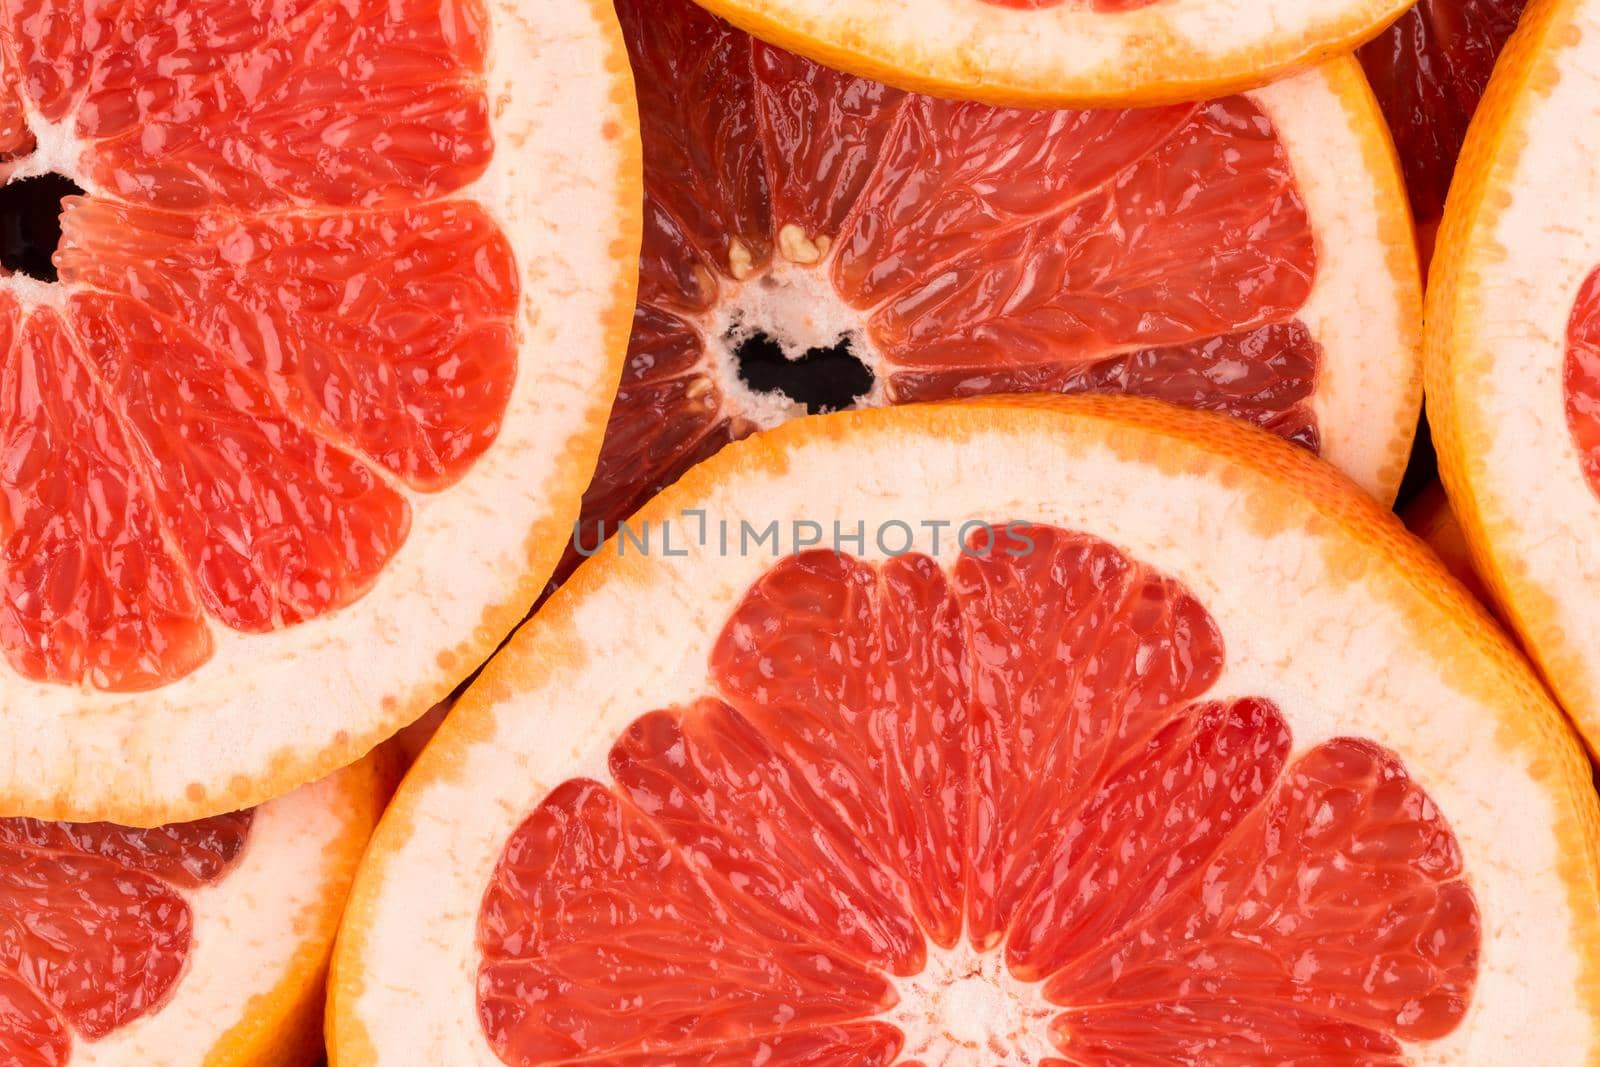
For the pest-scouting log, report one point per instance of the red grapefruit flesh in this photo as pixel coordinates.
(1429, 70)
(905, 765)
(956, 249)
(1581, 378)
(269, 307)
(97, 929)
(1210, 763)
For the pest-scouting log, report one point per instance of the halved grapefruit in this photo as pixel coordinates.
(201, 943)
(1429, 70)
(295, 418)
(1094, 732)
(1066, 52)
(1513, 376)
(815, 240)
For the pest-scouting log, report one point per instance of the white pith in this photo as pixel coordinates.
(795, 305)
(248, 927)
(1363, 306)
(1070, 51)
(966, 1010)
(1340, 652)
(1524, 259)
(553, 186)
(56, 151)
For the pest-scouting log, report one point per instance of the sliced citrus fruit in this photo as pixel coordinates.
(304, 382)
(1095, 732)
(815, 240)
(1066, 52)
(1512, 322)
(193, 943)
(1429, 70)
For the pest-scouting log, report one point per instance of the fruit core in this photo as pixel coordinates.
(816, 240)
(964, 1008)
(787, 345)
(986, 812)
(30, 223)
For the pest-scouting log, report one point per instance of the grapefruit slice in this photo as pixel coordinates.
(292, 416)
(194, 943)
(815, 240)
(1512, 319)
(1429, 70)
(1174, 749)
(1066, 52)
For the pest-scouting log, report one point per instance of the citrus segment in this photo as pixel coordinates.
(390, 331)
(1072, 52)
(324, 321)
(137, 946)
(92, 593)
(1146, 833)
(1071, 234)
(872, 246)
(99, 932)
(1344, 901)
(1109, 787)
(253, 109)
(1429, 70)
(627, 903)
(886, 717)
(1076, 655)
(275, 525)
(688, 773)
(15, 137)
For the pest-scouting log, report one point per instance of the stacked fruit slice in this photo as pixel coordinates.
(815, 239)
(201, 942)
(298, 396)
(1173, 749)
(1512, 368)
(993, 725)
(296, 418)
(1066, 51)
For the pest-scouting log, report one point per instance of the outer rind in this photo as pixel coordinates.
(1476, 312)
(1429, 517)
(284, 1028)
(240, 1006)
(1366, 298)
(271, 712)
(1290, 494)
(1173, 50)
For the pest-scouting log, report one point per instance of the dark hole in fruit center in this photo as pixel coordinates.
(823, 379)
(30, 223)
